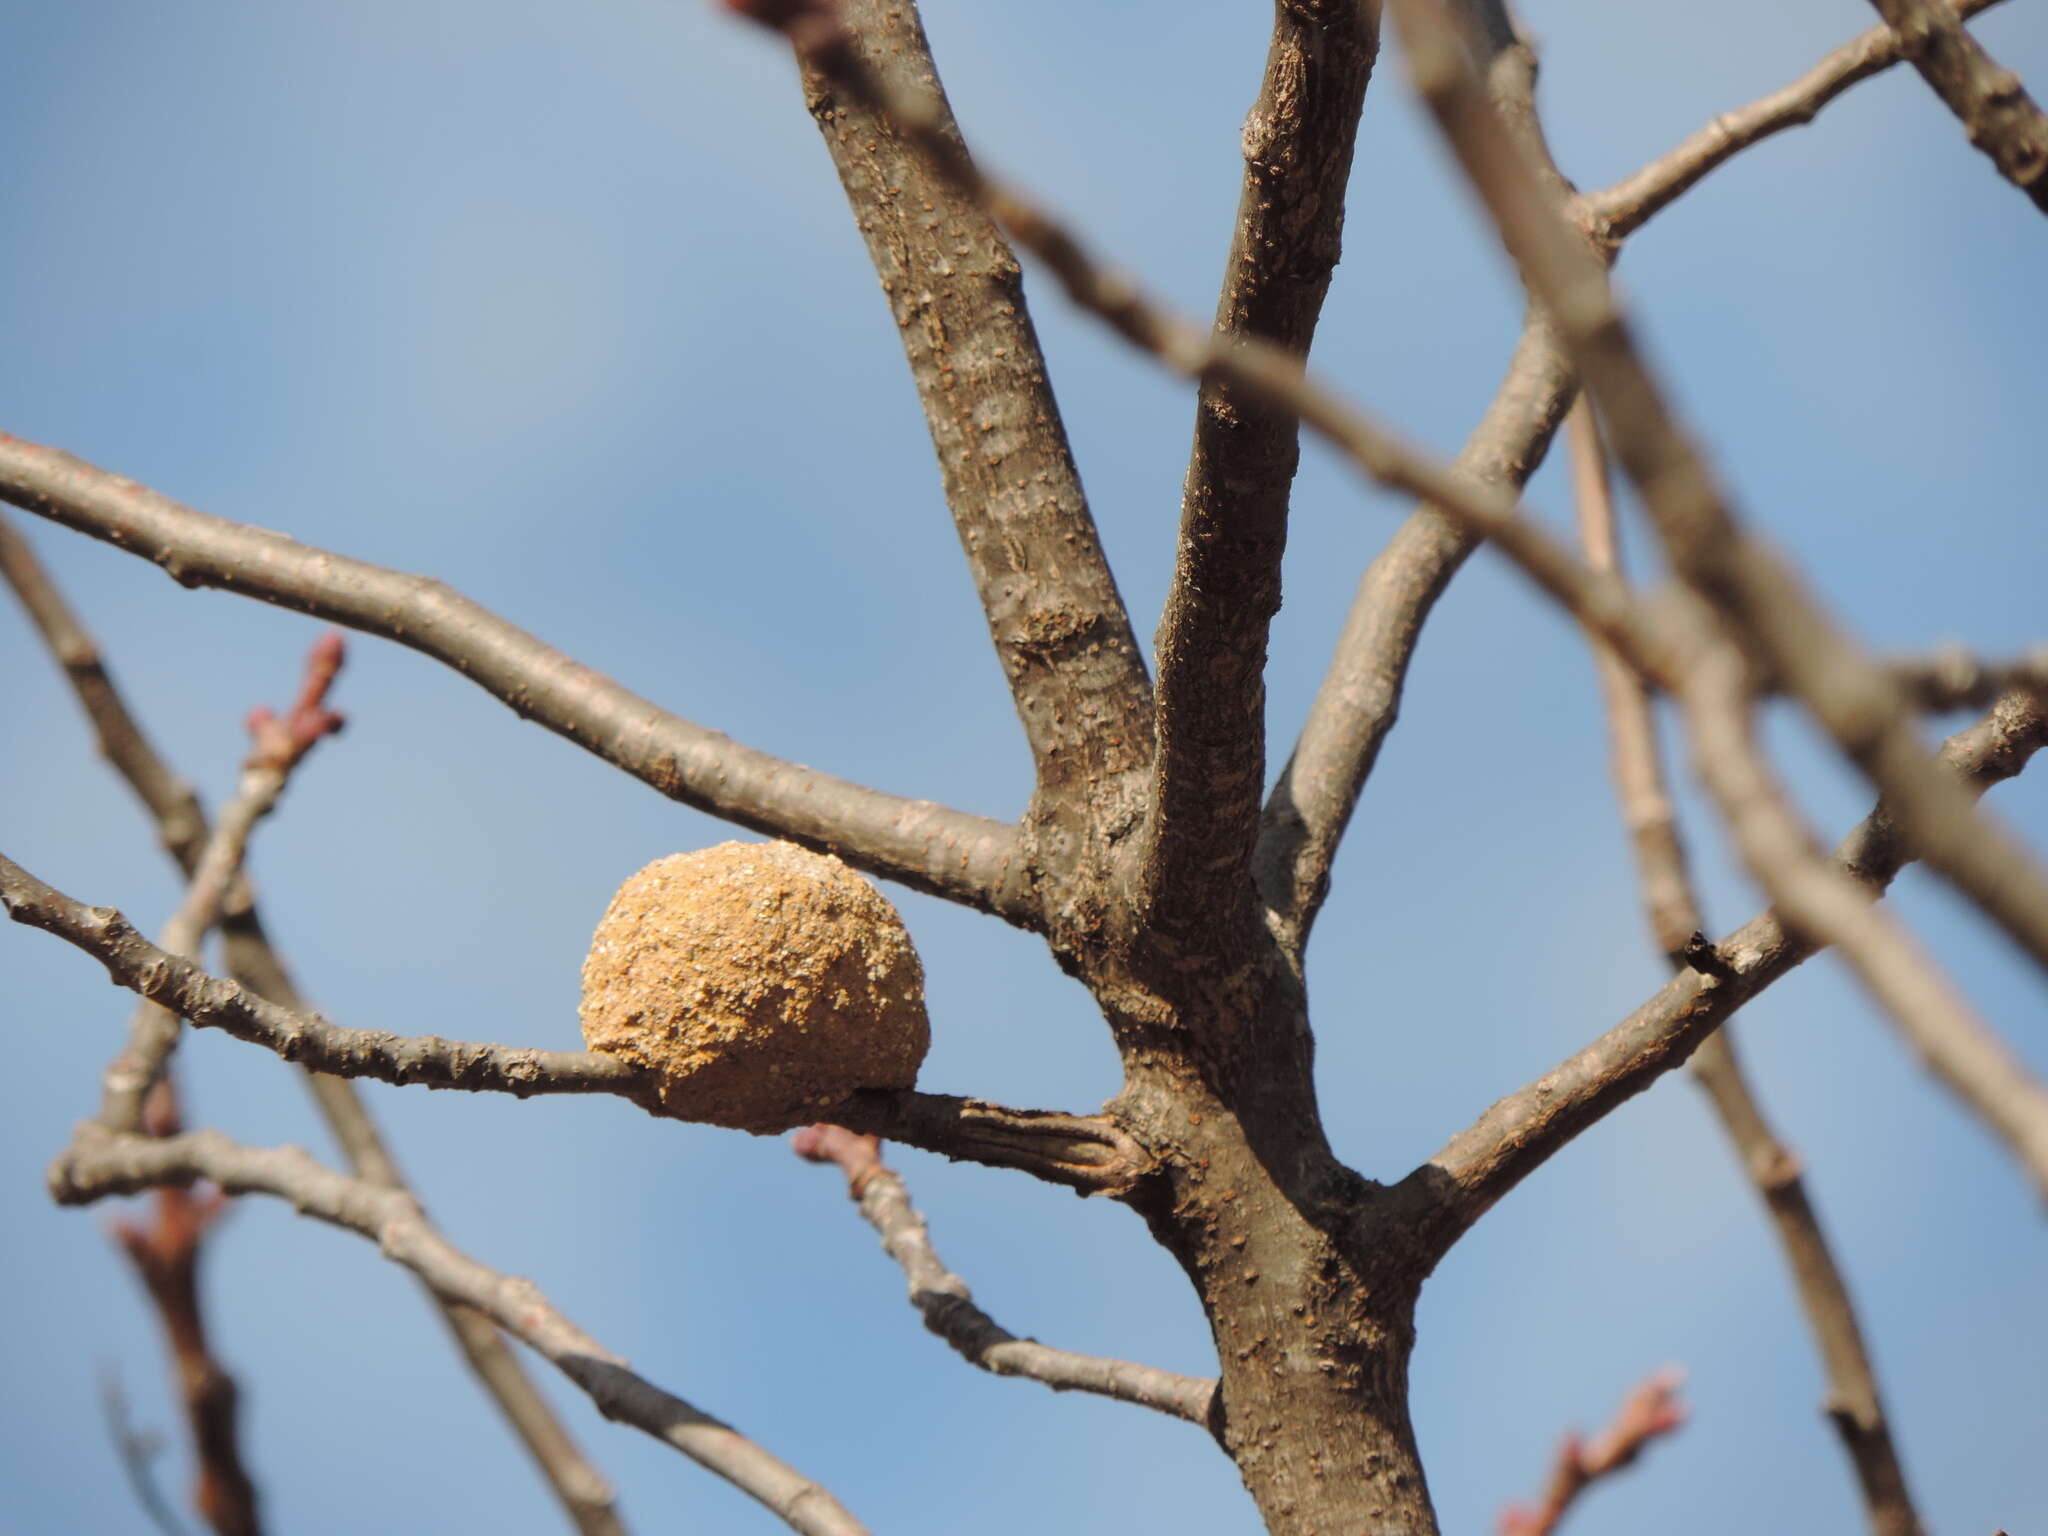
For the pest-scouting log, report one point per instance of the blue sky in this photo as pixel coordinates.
(561, 304)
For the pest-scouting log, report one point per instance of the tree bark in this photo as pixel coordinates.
(1310, 1302)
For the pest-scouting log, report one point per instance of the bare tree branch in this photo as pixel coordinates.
(1618, 211)
(1649, 1413)
(1817, 898)
(213, 1002)
(1211, 766)
(166, 1254)
(1515, 1136)
(170, 799)
(1851, 696)
(584, 1492)
(1254, 366)
(1089, 1154)
(963, 858)
(98, 1164)
(1993, 107)
(1635, 760)
(954, 287)
(1359, 698)
(948, 1306)
(1086, 1153)
(1954, 679)
(1675, 919)
(279, 746)
(1854, 1405)
(1323, 777)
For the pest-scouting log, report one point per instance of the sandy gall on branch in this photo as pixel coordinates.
(758, 985)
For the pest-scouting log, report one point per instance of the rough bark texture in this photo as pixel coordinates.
(1207, 1010)
(1189, 936)
(956, 293)
(1312, 1336)
(1298, 142)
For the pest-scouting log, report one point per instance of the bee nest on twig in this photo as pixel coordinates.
(759, 983)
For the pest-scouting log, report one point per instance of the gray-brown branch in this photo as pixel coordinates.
(1253, 366)
(1634, 757)
(153, 1031)
(278, 745)
(99, 1164)
(954, 288)
(1618, 211)
(963, 858)
(1672, 906)
(171, 800)
(166, 1249)
(1995, 110)
(1817, 898)
(1084, 1153)
(1516, 1135)
(1854, 1405)
(585, 1493)
(1210, 772)
(1359, 698)
(1852, 697)
(947, 1306)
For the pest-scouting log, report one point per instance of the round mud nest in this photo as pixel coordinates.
(760, 983)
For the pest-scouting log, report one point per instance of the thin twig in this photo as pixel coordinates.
(1674, 912)
(1618, 211)
(1952, 678)
(1995, 110)
(98, 1164)
(1519, 1133)
(1088, 1153)
(279, 745)
(166, 1254)
(1634, 757)
(968, 859)
(948, 1306)
(1768, 609)
(139, 1094)
(1854, 1405)
(137, 1449)
(171, 801)
(1359, 698)
(585, 1493)
(1649, 1413)
(1817, 898)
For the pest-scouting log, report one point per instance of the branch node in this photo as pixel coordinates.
(1700, 955)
